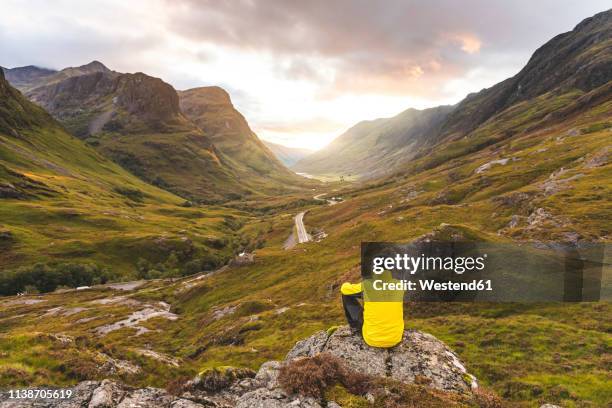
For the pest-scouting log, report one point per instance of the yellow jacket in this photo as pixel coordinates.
(383, 321)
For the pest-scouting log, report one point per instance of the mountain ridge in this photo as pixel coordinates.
(137, 121)
(375, 147)
(64, 202)
(212, 110)
(584, 63)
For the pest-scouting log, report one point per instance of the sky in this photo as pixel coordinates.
(300, 71)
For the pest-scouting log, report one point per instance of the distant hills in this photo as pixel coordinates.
(209, 154)
(577, 60)
(287, 155)
(376, 147)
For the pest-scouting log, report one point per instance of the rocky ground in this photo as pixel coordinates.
(420, 355)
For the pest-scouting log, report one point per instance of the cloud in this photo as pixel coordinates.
(315, 124)
(395, 46)
(296, 69)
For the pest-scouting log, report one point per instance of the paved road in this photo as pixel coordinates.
(330, 202)
(302, 235)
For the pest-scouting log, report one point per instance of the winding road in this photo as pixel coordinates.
(302, 235)
(329, 201)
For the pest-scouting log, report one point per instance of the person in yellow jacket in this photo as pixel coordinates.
(381, 318)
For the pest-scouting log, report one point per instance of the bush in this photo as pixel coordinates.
(487, 399)
(176, 386)
(252, 307)
(46, 278)
(312, 376)
(79, 369)
(130, 193)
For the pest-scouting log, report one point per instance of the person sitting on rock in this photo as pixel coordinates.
(381, 318)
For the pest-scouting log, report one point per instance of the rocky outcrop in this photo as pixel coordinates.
(418, 355)
(126, 96)
(420, 358)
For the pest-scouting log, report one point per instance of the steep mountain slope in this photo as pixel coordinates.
(211, 109)
(579, 60)
(136, 120)
(287, 155)
(373, 148)
(61, 201)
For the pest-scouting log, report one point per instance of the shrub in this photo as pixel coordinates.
(487, 399)
(13, 376)
(176, 386)
(252, 307)
(46, 278)
(130, 193)
(312, 376)
(80, 369)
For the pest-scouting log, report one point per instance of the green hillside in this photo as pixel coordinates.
(375, 148)
(255, 312)
(61, 201)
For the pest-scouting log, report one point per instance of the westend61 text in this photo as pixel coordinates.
(432, 285)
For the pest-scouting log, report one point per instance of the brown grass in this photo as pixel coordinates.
(487, 399)
(312, 376)
(176, 386)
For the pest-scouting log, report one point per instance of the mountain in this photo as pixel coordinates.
(287, 155)
(63, 202)
(578, 60)
(373, 148)
(136, 120)
(211, 109)
(25, 77)
(29, 77)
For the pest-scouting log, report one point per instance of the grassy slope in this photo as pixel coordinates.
(527, 353)
(377, 147)
(72, 204)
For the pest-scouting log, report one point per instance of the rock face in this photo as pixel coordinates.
(126, 96)
(420, 356)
